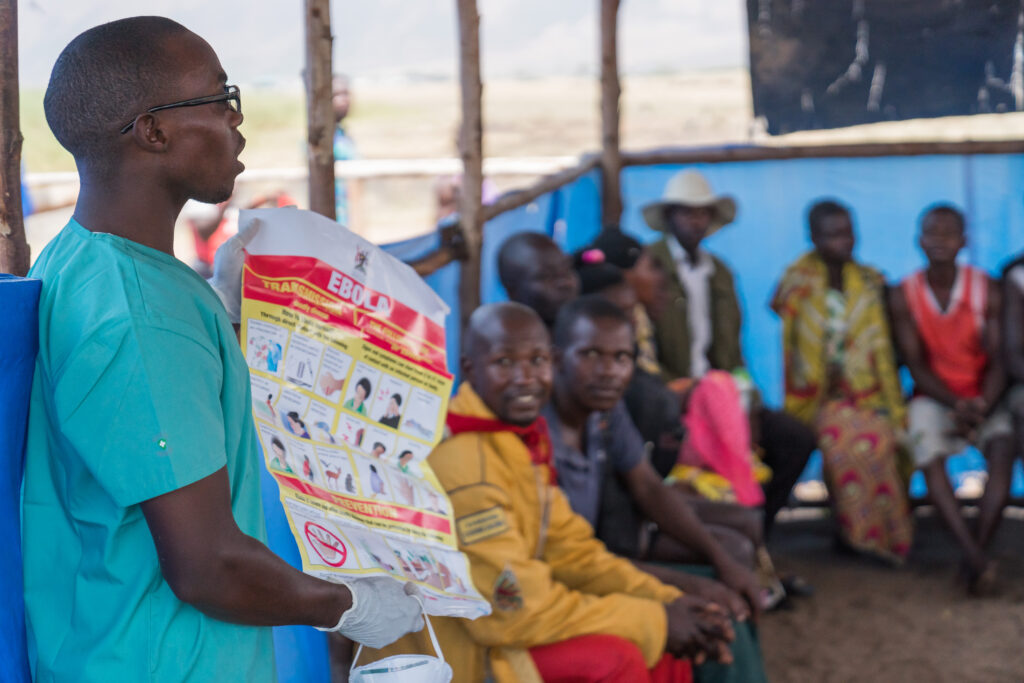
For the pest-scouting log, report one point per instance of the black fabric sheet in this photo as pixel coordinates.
(834, 63)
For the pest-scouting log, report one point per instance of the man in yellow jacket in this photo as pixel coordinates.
(559, 599)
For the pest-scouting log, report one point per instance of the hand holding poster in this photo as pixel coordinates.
(350, 387)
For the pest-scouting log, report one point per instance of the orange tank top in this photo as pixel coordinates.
(952, 339)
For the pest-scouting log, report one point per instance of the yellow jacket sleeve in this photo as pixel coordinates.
(582, 562)
(531, 606)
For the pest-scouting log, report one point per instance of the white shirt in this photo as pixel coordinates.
(696, 280)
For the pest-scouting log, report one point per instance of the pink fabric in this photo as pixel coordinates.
(718, 435)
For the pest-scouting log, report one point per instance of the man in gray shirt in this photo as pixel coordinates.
(593, 437)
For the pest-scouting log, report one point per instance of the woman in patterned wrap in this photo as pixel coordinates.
(840, 377)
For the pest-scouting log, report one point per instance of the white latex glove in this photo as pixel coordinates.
(383, 610)
(227, 269)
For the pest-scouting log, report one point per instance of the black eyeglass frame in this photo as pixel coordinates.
(231, 93)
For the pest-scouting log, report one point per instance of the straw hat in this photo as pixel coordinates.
(690, 188)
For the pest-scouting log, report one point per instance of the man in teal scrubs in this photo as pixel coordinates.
(143, 532)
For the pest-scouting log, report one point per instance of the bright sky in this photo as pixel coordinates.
(264, 41)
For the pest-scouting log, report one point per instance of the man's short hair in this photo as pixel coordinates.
(378, 444)
(944, 209)
(591, 307)
(102, 79)
(821, 210)
(397, 398)
(511, 255)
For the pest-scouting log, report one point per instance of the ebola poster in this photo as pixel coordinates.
(350, 386)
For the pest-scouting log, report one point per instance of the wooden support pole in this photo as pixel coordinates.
(611, 163)
(471, 150)
(14, 254)
(319, 112)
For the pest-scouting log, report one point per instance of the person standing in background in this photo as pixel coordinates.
(344, 147)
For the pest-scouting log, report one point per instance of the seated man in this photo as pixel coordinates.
(946, 318)
(700, 330)
(535, 272)
(658, 414)
(593, 439)
(563, 606)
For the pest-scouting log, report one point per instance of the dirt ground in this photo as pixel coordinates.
(867, 622)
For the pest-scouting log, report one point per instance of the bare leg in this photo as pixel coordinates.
(999, 454)
(941, 493)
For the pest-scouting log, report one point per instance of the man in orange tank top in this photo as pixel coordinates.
(947, 325)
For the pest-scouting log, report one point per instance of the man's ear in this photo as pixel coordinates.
(465, 367)
(148, 134)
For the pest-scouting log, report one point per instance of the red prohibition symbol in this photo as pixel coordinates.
(329, 547)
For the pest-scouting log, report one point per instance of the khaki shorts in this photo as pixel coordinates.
(930, 424)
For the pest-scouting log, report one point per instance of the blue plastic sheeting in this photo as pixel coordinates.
(19, 298)
(300, 652)
(887, 196)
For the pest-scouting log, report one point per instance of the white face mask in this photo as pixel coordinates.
(404, 668)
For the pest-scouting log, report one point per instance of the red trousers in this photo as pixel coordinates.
(604, 659)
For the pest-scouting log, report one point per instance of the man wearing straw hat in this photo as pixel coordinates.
(700, 330)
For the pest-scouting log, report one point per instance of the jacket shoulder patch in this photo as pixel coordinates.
(479, 526)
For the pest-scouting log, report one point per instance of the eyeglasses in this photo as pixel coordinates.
(231, 95)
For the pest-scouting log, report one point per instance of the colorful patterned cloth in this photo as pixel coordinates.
(840, 375)
(858, 447)
(868, 373)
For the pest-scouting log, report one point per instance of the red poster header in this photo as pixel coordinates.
(312, 286)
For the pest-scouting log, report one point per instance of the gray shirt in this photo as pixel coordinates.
(608, 438)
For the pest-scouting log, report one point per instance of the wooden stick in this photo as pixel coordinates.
(549, 183)
(320, 112)
(14, 251)
(611, 163)
(471, 150)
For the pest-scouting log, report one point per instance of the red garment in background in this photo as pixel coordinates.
(604, 659)
(718, 435)
(952, 338)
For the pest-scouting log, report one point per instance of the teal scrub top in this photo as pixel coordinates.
(140, 388)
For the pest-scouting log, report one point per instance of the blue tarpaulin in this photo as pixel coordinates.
(886, 194)
(19, 298)
(300, 652)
